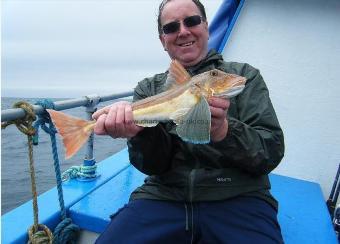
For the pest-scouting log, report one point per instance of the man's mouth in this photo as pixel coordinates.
(187, 44)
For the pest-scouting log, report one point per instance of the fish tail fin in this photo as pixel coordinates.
(195, 126)
(74, 131)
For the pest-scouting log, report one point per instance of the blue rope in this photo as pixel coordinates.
(66, 232)
(65, 228)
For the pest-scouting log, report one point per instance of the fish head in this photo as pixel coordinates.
(220, 84)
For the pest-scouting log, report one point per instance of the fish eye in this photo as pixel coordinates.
(213, 73)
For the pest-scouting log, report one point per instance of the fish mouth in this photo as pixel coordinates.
(186, 44)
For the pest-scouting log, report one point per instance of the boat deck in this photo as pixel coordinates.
(303, 214)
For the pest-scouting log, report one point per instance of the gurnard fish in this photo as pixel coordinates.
(184, 102)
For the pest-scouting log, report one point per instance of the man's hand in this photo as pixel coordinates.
(116, 121)
(219, 123)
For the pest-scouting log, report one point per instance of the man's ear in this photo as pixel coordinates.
(206, 25)
(161, 38)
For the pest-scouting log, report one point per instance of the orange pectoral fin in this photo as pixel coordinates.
(179, 73)
(74, 131)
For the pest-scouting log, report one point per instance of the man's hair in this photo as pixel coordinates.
(199, 5)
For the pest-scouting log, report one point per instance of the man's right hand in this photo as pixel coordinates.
(116, 120)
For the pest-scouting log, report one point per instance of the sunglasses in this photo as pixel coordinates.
(174, 26)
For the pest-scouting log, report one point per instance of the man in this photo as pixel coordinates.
(212, 193)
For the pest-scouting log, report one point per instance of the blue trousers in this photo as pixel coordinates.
(239, 220)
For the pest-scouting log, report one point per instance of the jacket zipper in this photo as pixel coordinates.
(191, 220)
(191, 185)
(186, 218)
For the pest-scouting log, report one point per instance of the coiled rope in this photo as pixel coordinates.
(37, 233)
(66, 231)
(83, 171)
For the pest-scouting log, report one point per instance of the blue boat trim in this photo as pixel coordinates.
(230, 28)
(93, 211)
(222, 25)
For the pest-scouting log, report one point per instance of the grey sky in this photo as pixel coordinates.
(75, 48)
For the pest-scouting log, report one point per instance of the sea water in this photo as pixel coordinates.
(15, 174)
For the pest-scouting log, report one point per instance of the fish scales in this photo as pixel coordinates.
(174, 105)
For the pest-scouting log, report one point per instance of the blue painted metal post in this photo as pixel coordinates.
(89, 160)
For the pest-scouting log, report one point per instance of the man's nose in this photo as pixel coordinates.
(183, 30)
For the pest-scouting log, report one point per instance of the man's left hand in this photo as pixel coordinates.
(219, 123)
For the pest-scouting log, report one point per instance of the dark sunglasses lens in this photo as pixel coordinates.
(174, 26)
(192, 21)
(171, 27)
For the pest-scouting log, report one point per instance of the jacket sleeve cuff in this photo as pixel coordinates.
(235, 128)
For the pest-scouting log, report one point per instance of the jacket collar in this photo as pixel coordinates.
(207, 63)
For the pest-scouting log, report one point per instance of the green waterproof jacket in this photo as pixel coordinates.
(236, 166)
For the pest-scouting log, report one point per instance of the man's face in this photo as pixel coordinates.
(188, 45)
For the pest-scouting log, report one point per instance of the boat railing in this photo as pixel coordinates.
(86, 101)
(90, 102)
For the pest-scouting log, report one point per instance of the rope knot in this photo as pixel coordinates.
(44, 118)
(24, 124)
(39, 234)
(66, 232)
